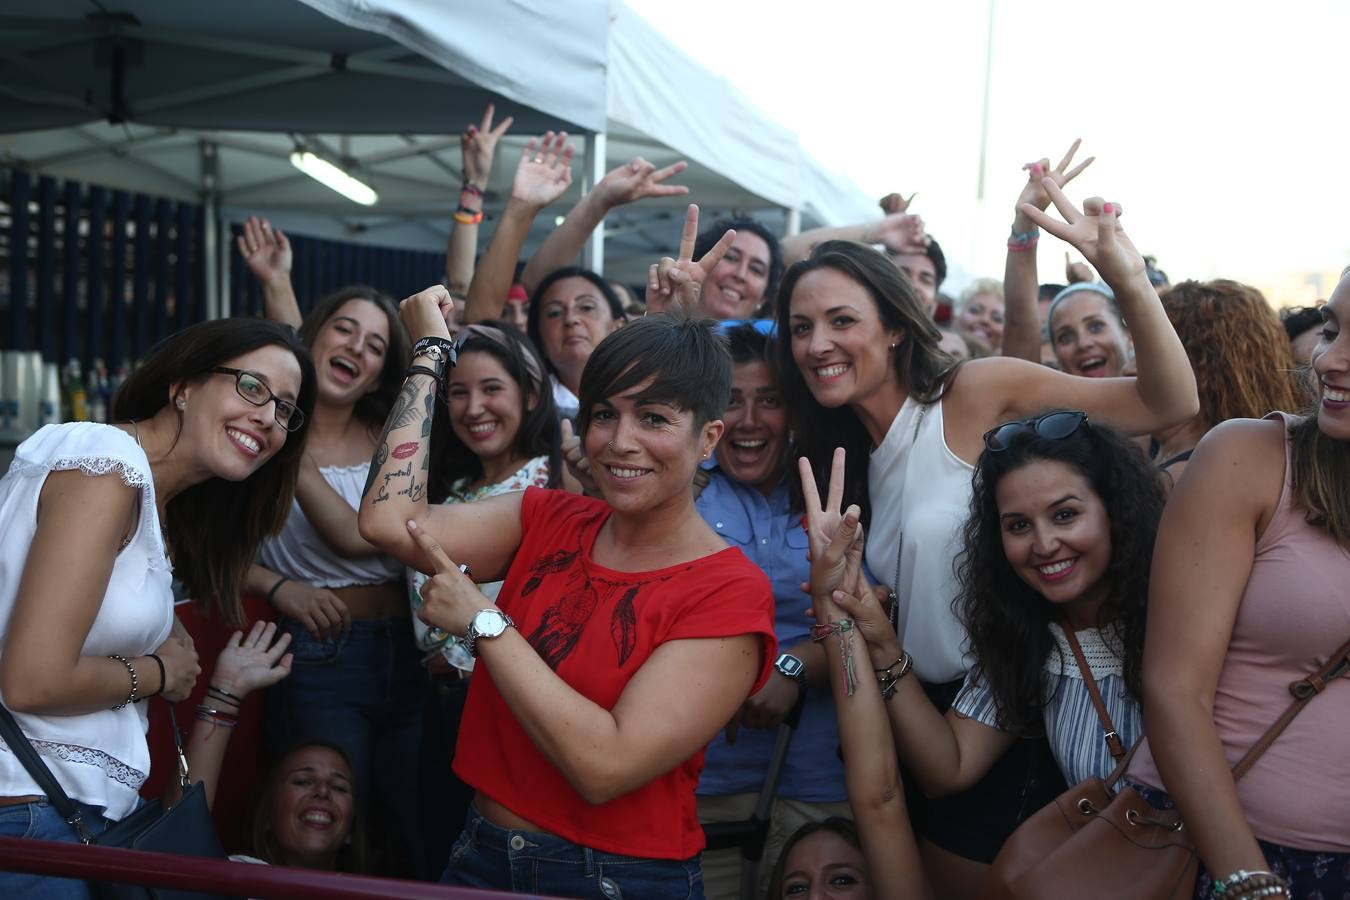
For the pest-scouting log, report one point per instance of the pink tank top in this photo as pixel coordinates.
(1295, 613)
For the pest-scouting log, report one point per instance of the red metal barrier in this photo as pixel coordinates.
(191, 873)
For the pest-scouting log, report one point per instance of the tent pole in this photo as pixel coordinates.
(593, 254)
(794, 222)
(210, 241)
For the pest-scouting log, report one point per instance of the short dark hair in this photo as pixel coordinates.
(689, 366)
(552, 278)
(1298, 319)
(538, 434)
(709, 237)
(215, 526)
(1048, 292)
(1008, 621)
(374, 407)
(934, 253)
(748, 344)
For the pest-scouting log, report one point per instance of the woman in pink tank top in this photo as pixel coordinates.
(1249, 594)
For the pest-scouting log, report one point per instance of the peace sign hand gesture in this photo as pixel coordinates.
(680, 281)
(1034, 192)
(1095, 232)
(837, 578)
(478, 145)
(637, 179)
(450, 599)
(545, 171)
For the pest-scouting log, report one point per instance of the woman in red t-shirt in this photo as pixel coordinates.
(626, 632)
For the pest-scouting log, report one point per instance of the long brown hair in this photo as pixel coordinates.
(374, 407)
(214, 527)
(1237, 347)
(922, 367)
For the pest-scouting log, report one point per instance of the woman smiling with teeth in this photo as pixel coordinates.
(862, 369)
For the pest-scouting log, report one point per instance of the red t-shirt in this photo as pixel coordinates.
(595, 627)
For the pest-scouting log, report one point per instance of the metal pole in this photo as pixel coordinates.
(984, 114)
(794, 222)
(210, 242)
(593, 254)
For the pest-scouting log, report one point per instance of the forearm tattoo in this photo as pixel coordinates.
(406, 411)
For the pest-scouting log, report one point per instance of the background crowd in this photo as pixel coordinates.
(548, 560)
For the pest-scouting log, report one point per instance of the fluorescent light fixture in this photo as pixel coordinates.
(334, 178)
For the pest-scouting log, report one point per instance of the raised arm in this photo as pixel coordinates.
(871, 774)
(478, 145)
(899, 232)
(670, 709)
(1163, 393)
(543, 175)
(1206, 545)
(947, 754)
(629, 183)
(1022, 321)
(267, 254)
(484, 534)
(247, 663)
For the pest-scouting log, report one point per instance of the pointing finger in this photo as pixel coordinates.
(439, 560)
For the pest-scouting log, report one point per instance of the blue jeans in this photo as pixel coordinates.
(41, 821)
(486, 856)
(365, 694)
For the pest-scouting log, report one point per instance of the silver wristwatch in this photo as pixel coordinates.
(790, 666)
(486, 623)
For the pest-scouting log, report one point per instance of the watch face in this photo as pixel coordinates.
(489, 623)
(791, 666)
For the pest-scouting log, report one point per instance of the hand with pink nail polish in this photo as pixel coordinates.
(1034, 193)
(1094, 231)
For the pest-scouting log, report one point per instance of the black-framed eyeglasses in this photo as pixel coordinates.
(252, 389)
(1053, 426)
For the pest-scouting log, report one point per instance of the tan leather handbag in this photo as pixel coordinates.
(1095, 841)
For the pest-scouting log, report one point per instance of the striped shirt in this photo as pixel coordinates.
(1071, 723)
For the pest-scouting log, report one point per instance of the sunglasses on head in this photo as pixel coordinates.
(1053, 426)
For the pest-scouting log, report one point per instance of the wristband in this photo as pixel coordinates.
(163, 679)
(468, 188)
(273, 592)
(135, 682)
(432, 341)
(468, 216)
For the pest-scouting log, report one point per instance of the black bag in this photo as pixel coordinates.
(185, 829)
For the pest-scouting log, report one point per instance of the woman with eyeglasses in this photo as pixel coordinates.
(862, 370)
(357, 682)
(96, 521)
(1055, 554)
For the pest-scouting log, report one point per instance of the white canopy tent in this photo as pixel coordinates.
(205, 101)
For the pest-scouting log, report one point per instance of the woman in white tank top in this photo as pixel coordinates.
(862, 369)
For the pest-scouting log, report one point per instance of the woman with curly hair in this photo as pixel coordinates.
(1241, 359)
(1057, 549)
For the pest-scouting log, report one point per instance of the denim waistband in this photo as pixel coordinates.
(516, 843)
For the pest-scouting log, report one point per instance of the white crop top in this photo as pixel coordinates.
(302, 555)
(100, 758)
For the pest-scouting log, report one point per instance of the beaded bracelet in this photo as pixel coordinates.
(135, 682)
(1247, 884)
(889, 679)
(1019, 241)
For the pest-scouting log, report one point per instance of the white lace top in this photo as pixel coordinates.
(100, 758)
(1071, 723)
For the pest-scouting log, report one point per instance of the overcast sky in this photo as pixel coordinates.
(1221, 127)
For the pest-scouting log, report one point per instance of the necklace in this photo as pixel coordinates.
(163, 532)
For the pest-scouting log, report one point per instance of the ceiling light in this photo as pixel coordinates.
(334, 178)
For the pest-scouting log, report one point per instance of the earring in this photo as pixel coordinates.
(896, 344)
(182, 404)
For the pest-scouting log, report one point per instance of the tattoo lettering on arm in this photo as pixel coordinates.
(403, 413)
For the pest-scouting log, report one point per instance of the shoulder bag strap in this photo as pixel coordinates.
(1109, 734)
(1338, 666)
(24, 752)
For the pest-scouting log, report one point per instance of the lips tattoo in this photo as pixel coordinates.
(403, 451)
